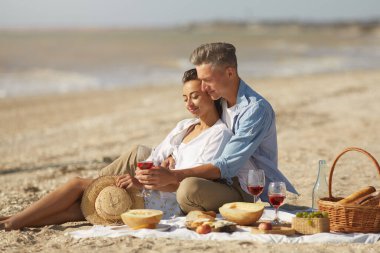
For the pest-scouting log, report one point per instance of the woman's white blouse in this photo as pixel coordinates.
(204, 148)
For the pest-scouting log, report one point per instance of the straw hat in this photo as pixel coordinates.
(103, 202)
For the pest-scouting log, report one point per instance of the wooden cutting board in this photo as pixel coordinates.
(278, 230)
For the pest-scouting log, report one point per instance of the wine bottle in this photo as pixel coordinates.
(320, 189)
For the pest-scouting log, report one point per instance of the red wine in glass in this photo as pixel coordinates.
(276, 194)
(145, 165)
(255, 182)
(276, 200)
(256, 190)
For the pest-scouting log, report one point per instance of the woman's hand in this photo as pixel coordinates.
(127, 181)
(168, 163)
(156, 177)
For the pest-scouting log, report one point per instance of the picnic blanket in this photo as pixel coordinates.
(178, 230)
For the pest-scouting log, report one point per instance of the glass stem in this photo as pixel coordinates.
(276, 215)
(254, 199)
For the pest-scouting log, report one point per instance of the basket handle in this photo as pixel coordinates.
(342, 153)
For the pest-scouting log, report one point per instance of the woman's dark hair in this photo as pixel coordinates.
(218, 105)
(190, 75)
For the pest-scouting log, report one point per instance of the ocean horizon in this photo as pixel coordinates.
(39, 62)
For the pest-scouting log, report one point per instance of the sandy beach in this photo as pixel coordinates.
(46, 140)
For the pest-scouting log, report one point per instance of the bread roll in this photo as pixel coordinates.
(357, 195)
(196, 215)
(197, 218)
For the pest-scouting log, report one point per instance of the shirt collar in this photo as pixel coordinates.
(178, 136)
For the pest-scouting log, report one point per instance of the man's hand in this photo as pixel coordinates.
(168, 163)
(127, 181)
(156, 177)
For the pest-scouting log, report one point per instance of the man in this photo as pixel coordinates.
(254, 144)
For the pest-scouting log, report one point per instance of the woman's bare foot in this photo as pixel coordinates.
(4, 225)
(4, 218)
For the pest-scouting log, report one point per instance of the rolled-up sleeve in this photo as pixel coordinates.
(252, 127)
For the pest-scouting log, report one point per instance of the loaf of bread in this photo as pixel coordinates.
(372, 199)
(357, 195)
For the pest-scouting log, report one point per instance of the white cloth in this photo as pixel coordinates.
(178, 231)
(207, 146)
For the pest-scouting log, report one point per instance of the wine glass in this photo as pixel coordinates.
(277, 194)
(256, 182)
(145, 165)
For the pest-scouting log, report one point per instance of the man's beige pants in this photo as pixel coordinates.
(193, 193)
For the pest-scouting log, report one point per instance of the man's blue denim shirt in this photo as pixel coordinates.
(254, 138)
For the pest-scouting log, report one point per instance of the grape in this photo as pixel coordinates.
(310, 215)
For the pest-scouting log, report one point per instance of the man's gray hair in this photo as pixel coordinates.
(217, 54)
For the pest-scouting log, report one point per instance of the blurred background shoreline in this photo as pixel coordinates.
(65, 60)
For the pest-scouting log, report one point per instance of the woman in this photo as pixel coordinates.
(192, 142)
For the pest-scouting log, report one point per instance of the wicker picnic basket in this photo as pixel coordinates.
(351, 218)
(309, 226)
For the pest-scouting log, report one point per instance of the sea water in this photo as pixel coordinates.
(46, 62)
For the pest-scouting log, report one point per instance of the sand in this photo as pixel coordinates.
(46, 140)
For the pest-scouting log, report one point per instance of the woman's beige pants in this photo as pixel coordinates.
(193, 193)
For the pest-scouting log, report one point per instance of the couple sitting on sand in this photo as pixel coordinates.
(204, 161)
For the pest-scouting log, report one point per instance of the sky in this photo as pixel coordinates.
(147, 13)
